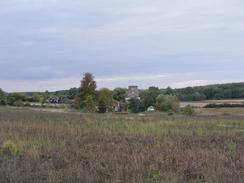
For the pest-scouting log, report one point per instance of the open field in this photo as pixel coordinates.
(75, 147)
(206, 102)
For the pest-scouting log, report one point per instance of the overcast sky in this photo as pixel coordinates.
(49, 44)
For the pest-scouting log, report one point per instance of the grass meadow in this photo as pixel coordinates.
(81, 147)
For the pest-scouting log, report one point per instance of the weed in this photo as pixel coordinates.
(9, 148)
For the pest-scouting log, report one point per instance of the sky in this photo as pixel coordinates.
(49, 44)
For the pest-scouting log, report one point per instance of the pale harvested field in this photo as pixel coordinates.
(206, 102)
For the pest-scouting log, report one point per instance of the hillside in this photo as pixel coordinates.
(211, 92)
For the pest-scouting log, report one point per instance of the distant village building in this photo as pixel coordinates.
(133, 93)
(116, 106)
(151, 109)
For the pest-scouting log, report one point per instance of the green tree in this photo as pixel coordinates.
(167, 103)
(72, 93)
(14, 97)
(107, 95)
(147, 98)
(135, 106)
(169, 91)
(76, 102)
(87, 88)
(2, 98)
(119, 94)
(90, 104)
(102, 107)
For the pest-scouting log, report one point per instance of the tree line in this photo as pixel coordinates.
(211, 92)
(88, 97)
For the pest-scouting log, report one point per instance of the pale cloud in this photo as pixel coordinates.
(46, 42)
(143, 81)
(66, 83)
(131, 78)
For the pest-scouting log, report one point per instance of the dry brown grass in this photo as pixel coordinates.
(71, 147)
(206, 102)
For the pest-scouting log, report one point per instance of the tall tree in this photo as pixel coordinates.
(135, 106)
(105, 95)
(102, 107)
(87, 88)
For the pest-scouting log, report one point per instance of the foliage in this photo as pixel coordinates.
(147, 99)
(9, 148)
(119, 94)
(169, 91)
(2, 97)
(211, 92)
(135, 106)
(76, 104)
(88, 86)
(167, 103)
(106, 96)
(72, 93)
(90, 104)
(34, 97)
(15, 98)
(155, 176)
(149, 96)
(102, 107)
(189, 110)
(19, 103)
(170, 112)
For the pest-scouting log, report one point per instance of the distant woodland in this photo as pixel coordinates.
(93, 99)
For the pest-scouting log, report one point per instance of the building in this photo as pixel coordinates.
(133, 93)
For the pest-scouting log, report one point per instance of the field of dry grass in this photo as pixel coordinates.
(206, 102)
(75, 147)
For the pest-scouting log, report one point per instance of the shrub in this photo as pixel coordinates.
(167, 103)
(2, 98)
(15, 97)
(102, 108)
(9, 148)
(170, 113)
(90, 104)
(135, 106)
(19, 103)
(189, 110)
(155, 176)
(76, 103)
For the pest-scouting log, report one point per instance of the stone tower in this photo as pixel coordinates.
(133, 92)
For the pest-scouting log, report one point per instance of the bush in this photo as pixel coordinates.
(15, 97)
(9, 148)
(90, 104)
(170, 113)
(189, 111)
(135, 106)
(2, 97)
(19, 103)
(102, 108)
(167, 102)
